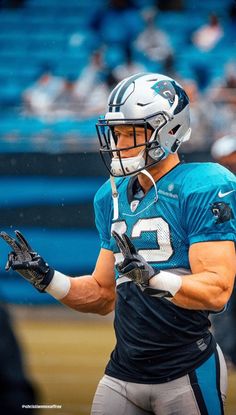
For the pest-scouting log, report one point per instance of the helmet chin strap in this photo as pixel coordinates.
(146, 173)
(115, 194)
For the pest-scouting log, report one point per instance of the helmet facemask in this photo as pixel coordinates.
(118, 165)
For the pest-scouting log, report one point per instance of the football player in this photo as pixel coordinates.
(167, 257)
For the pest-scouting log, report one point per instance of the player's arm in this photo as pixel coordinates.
(92, 293)
(213, 266)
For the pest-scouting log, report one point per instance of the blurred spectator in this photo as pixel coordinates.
(16, 390)
(207, 36)
(90, 88)
(128, 67)
(225, 91)
(90, 76)
(96, 100)
(224, 152)
(85, 96)
(54, 98)
(66, 104)
(118, 24)
(39, 97)
(200, 111)
(153, 42)
(223, 96)
(92, 101)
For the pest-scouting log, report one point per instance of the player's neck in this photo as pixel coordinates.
(158, 171)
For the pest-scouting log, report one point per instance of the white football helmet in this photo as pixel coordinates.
(152, 101)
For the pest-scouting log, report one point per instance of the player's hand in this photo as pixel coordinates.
(134, 265)
(26, 262)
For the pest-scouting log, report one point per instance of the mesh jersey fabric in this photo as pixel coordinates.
(157, 340)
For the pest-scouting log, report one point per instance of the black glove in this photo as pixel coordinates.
(27, 262)
(134, 265)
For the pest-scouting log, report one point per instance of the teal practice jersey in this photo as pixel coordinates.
(196, 203)
(192, 203)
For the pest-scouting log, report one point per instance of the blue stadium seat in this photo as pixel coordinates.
(42, 30)
(10, 93)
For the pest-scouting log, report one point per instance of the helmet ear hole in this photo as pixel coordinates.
(174, 130)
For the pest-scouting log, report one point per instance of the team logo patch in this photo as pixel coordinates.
(171, 187)
(166, 90)
(133, 205)
(222, 212)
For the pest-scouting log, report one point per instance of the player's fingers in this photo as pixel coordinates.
(11, 241)
(120, 243)
(129, 246)
(23, 242)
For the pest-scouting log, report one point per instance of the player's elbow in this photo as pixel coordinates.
(107, 308)
(218, 302)
(216, 305)
(107, 302)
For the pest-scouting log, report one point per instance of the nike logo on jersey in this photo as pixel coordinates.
(220, 194)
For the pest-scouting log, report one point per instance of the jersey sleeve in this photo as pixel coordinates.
(103, 210)
(209, 205)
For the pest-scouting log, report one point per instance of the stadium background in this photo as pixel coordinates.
(50, 170)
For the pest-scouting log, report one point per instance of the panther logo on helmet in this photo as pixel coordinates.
(165, 89)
